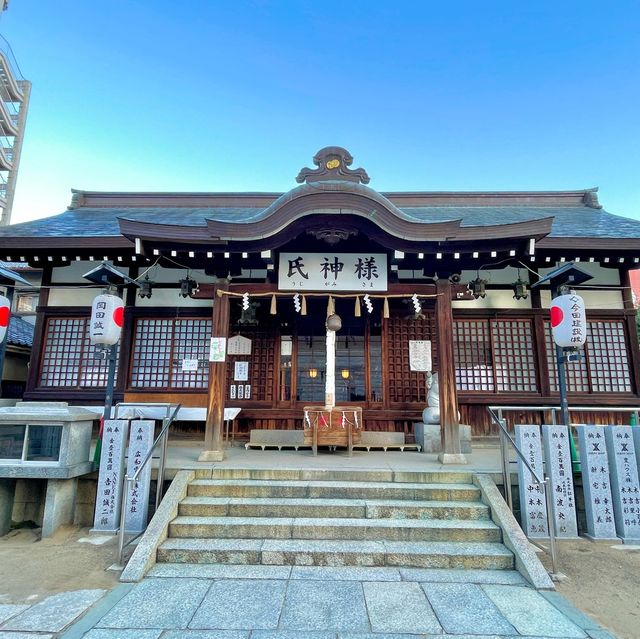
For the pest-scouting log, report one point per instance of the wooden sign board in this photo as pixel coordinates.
(239, 345)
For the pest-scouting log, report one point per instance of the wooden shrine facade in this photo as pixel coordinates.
(487, 350)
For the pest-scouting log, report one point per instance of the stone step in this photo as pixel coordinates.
(298, 474)
(340, 573)
(303, 552)
(335, 528)
(332, 490)
(370, 508)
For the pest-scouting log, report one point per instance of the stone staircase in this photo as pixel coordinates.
(334, 518)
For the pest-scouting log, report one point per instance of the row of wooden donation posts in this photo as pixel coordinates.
(609, 458)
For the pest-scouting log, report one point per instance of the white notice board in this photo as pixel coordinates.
(420, 355)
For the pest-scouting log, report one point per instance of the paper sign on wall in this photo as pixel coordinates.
(420, 355)
(241, 372)
(217, 349)
(189, 365)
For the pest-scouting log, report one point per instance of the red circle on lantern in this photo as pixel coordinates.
(4, 316)
(556, 316)
(118, 316)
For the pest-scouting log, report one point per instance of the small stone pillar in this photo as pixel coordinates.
(7, 492)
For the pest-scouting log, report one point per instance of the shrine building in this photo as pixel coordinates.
(453, 269)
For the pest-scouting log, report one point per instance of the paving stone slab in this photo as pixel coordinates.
(530, 613)
(55, 612)
(458, 575)
(207, 634)
(293, 634)
(600, 634)
(323, 605)
(472, 611)
(399, 607)
(157, 603)
(346, 573)
(220, 571)
(381, 635)
(10, 610)
(108, 633)
(23, 635)
(569, 610)
(238, 604)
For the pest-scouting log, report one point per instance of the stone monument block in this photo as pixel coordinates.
(557, 455)
(109, 493)
(625, 488)
(595, 482)
(635, 430)
(140, 442)
(533, 508)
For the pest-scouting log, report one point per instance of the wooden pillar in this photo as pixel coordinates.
(213, 450)
(449, 426)
(632, 332)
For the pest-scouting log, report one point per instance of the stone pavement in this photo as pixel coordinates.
(284, 602)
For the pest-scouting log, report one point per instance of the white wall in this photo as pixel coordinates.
(170, 297)
(496, 298)
(594, 300)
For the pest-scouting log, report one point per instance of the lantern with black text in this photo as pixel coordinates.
(107, 315)
(568, 321)
(5, 312)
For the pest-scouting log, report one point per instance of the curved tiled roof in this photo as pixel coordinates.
(20, 332)
(568, 221)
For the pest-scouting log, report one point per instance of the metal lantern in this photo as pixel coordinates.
(334, 323)
(568, 321)
(107, 317)
(5, 312)
(478, 287)
(519, 289)
(146, 287)
(188, 287)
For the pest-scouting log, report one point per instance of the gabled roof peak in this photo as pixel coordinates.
(333, 163)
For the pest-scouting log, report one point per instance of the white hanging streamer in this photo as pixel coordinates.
(367, 303)
(416, 303)
(245, 301)
(297, 303)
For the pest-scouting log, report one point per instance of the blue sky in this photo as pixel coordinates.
(239, 95)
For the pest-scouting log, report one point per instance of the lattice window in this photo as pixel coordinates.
(515, 365)
(604, 368)
(494, 356)
(473, 355)
(608, 360)
(161, 345)
(406, 386)
(69, 359)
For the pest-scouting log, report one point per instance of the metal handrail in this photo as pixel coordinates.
(545, 482)
(127, 481)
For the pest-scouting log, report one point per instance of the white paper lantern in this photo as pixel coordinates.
(568, 321)
(5, 312)
(107, 316)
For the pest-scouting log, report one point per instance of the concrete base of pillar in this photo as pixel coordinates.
(211, 455)
(7, 492)
(452, 458)
(429, 437)
(59, 505)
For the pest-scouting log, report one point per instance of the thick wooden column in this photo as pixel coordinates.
(630, 318)
(213, 450)
(449, 426)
